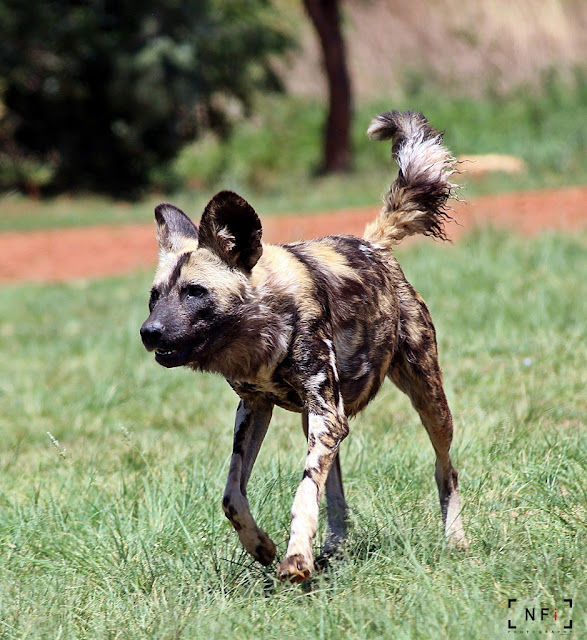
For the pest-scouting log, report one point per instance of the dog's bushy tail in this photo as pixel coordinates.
(416, 201)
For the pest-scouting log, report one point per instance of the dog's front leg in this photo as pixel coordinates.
(336, 506)
(252, 420)
(327, 427)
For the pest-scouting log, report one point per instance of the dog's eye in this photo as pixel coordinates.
(195, 291)
(155, 295)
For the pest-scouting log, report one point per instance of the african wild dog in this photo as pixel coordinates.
(313, 327)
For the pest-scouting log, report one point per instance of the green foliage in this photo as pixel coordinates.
(269, 158)
(102, 93)
(112, 526)
(274, 155)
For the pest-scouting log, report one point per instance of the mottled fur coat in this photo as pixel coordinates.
(313, 327)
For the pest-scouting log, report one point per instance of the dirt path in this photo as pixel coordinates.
(90, 252)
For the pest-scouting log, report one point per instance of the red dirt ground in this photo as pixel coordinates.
(90, 252)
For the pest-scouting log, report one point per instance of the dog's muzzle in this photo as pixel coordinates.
(167, 355)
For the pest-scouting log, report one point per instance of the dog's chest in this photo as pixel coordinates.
(273, 386)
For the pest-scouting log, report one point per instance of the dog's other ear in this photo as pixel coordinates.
(231, 228)
(173, 227)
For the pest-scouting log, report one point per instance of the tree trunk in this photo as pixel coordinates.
(325, 16)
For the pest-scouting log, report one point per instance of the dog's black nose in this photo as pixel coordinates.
(151, 333)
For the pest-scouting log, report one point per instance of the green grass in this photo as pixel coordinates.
(112, 469)
(271, 158)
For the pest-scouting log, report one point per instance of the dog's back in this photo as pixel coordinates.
(343, 288)
(355, 286)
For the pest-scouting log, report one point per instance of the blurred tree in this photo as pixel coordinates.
(103, 91)
(325, 16)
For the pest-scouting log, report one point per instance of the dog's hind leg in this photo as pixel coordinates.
(336, 506)
(415, 370)
(252, 421)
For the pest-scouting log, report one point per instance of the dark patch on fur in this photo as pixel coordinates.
(183, 259)
(240, 435)
(230, 212)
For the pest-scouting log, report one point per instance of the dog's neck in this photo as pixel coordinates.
(260, 342)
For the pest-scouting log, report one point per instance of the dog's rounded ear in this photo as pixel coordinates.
(231, 228)
(173, 227)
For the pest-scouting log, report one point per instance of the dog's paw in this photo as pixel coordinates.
(265, 550)
(295, 568)
(327, 556)
(455, 536)
(458, 540)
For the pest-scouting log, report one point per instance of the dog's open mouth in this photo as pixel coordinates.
(173, 357)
